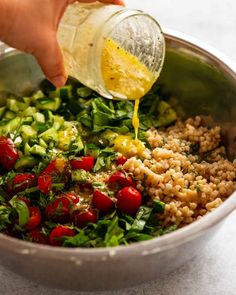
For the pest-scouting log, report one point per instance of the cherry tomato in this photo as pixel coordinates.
(24, 199)
(121, 179)
(45, 183)
(57, 234)
(8, 153)
(59, 209)
(37, 236)
(121, 160)
(71, 196)
(56, 166)
(82, 219)
(85, 163)
(34, 218)
(129, 200)
(102, 202)
(20, 183)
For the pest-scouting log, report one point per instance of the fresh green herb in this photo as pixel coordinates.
(158, 206)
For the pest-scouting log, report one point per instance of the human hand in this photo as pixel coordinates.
(31, 26)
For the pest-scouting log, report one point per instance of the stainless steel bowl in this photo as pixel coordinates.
(205, 83)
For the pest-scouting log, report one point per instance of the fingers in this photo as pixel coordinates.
(118, 2)
(50, 59)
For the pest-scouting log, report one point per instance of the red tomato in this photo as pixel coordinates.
(59, 209)
(45, 183)
(102, 202)
(82, 219)
(57, 166)
(121, 179)
(37, 236)
(85, 163)
(8, 153)
(20, 183)
(24, 199)
(71, 196)
(129, 200)
(121, 160)
(34, 218)
(57, 234)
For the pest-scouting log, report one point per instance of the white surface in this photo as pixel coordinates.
(214, 271)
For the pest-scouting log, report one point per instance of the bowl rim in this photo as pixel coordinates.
(155, 245)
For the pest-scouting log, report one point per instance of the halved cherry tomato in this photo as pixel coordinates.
(86, 163)
(129, 200)
(102, 202)
(71, 196)
(20, 183)
(57, 234)
(82, 219)
(45, 183)
(37, 236)
(121, 179)
(121, 160)
(34, 218)
(57, 166)
(59, 209)
(8, 153)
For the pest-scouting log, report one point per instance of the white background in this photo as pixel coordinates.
(214, 271)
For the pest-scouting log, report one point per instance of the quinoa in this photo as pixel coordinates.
(186, 168)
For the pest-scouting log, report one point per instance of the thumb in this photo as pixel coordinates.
(50, 59)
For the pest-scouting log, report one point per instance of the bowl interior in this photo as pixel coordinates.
(198, 82)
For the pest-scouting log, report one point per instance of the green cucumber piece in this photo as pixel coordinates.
(26, 149)
(49, 135)
(39, 94)
(38, 150)
(42, 143)
(30, 111)
(64, 92)
(25, 162)
(15, 104)
(58, 122)
(28, 120)
(79, 175)
(51, 104)
(8, 126)
(2, 111)
(84, 91)
(39, 117)
(28, 131)
(9, 115)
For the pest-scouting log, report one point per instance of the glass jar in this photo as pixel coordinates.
(84, 30)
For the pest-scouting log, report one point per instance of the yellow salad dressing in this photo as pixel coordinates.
(123, 73)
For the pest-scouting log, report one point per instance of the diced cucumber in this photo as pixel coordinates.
(26, 149)
(58, 122)
(49, 116)
(28, 120)
(18, 141)
(51, 104)
(64, 92)
(84, 91)
(49, 135)
(17, 104)
(39, 94)
(30, 111)
(39, 117)
(9, 115)
(42, 143)
(38, 150)
(25, 162)
(8, 126)
(28, 131)
(79, 175)
(2, 111)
